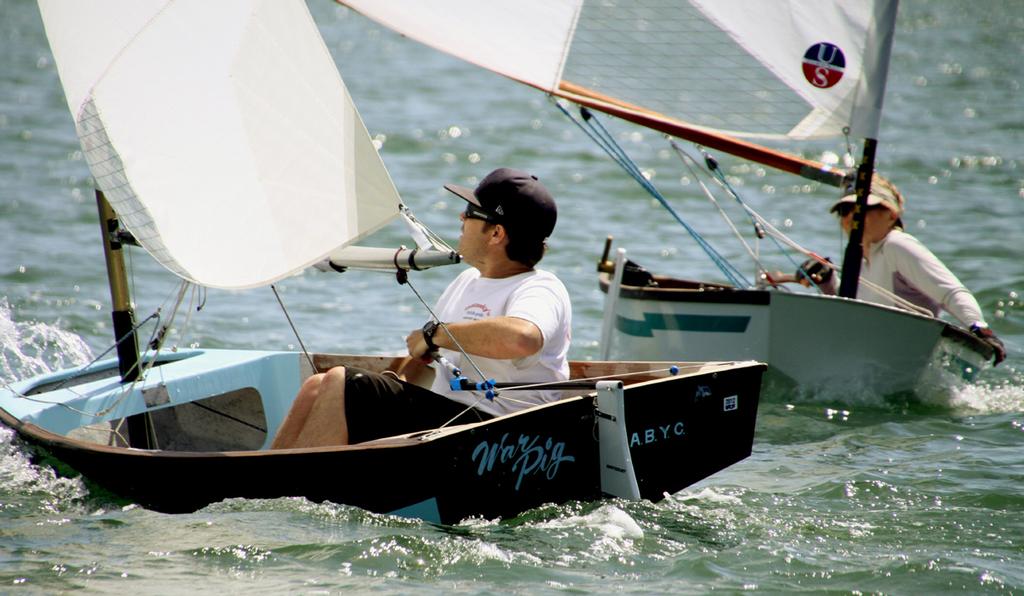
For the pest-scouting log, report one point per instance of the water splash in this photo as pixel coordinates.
(28, 349)
(20, 478)
(1004, 393)
(608, 520)
(32, 347)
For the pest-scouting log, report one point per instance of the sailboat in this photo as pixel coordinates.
(224, 143)
(725, 75)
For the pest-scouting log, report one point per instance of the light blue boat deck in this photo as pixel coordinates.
(66, 400)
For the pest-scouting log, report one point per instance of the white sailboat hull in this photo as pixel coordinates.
(819, 343)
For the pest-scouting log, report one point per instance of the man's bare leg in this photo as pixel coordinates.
(317, 416)
(299, 412)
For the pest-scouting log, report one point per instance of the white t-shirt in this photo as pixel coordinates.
(905, 267)
(536, 296)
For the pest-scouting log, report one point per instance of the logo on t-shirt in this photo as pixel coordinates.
(475, 312)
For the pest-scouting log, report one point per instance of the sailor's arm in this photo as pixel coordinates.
(814, 270)
(503, 338)
(930, 276)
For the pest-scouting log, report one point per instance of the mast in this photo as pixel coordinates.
(124, 318)
(139, 426)
(881, 46)
(854, 248)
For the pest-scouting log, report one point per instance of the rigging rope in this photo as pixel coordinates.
(404, 279)
(596, 131)
(759, 223)
(144, 363)
(763, 226)
(686, 158)
(302, 345)
(417, 228)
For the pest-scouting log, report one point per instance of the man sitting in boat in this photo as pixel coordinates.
(900, 266)
(501, 317)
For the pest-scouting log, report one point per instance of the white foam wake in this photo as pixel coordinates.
(30, 348)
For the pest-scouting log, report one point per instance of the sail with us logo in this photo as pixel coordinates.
(762, 81)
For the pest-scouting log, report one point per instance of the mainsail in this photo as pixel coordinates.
(705, 70)
(220, 132)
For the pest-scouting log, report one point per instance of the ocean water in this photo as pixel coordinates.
(845, 492)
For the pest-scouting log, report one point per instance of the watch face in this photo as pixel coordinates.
(428, 333)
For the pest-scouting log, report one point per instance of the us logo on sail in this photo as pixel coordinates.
(823, 65)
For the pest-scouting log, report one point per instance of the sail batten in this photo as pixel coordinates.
(222, 134)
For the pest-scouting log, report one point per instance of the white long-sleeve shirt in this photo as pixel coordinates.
(902, 265)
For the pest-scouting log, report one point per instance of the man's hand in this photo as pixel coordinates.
(417, 346)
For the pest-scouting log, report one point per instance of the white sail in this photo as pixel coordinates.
(735, 66)
(220, 132)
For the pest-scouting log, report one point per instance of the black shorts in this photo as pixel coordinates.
(379, 405)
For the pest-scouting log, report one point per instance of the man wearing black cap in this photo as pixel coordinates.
(511, 319)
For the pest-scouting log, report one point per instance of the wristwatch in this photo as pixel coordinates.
(428, 335)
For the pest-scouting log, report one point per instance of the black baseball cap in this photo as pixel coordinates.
(514, 199)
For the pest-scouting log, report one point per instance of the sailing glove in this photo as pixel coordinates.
(815, 271)
(985, 334)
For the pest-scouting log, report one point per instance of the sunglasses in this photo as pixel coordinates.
(474, 212)
(847, 208)
(844, 209)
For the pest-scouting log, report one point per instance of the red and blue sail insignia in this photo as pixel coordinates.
(823, 65)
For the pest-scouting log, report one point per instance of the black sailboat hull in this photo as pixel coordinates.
(679, 430)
